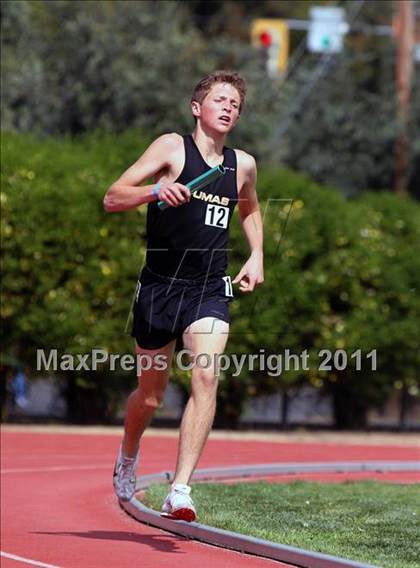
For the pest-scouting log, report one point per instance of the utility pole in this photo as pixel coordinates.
(404, 35)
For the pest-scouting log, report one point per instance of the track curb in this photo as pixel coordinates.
(247, 544)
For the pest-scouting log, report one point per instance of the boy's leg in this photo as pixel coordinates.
(143, 402)
(199, 412)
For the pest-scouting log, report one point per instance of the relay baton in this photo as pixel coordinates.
(199, 182)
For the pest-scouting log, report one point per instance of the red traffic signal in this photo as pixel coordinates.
(265, 39)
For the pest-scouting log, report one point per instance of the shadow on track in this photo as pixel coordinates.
(163, 543)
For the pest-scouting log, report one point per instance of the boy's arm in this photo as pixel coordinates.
(252, 273)
(126, 193)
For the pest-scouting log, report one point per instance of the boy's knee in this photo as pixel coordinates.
(152, 401)
(204, 378)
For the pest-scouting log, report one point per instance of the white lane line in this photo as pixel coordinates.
(55, 468)
(27, 560)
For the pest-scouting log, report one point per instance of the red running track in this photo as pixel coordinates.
(58, 507)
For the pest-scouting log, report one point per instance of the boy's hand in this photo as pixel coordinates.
(174, 194)
(251, 274)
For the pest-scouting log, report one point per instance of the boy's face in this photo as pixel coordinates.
(220, 108)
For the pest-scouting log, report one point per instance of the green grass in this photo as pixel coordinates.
(368, 521)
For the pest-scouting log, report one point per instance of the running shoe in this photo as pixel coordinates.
(178, 504)
(124, 477)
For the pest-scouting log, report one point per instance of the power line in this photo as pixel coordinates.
(295, 59)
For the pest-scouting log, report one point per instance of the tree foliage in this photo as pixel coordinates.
(71, 66)
(74, 66)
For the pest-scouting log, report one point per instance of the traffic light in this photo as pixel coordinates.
(272, 35)
(327, 28)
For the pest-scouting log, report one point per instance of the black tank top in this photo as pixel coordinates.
(190, 241)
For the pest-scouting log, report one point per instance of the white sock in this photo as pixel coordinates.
(181, 487)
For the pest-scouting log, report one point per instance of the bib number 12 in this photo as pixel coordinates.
(217, 216)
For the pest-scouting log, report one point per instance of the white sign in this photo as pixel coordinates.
(326, 30)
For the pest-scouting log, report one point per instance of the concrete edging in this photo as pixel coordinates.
(247, 544)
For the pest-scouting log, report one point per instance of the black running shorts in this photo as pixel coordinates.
(164, 307)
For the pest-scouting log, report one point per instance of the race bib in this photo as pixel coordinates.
(217, 216)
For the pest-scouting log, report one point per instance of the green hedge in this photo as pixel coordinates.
(346, 277)
(69, 268)
(339, 275)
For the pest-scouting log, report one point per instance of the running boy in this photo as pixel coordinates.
(183, 291)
